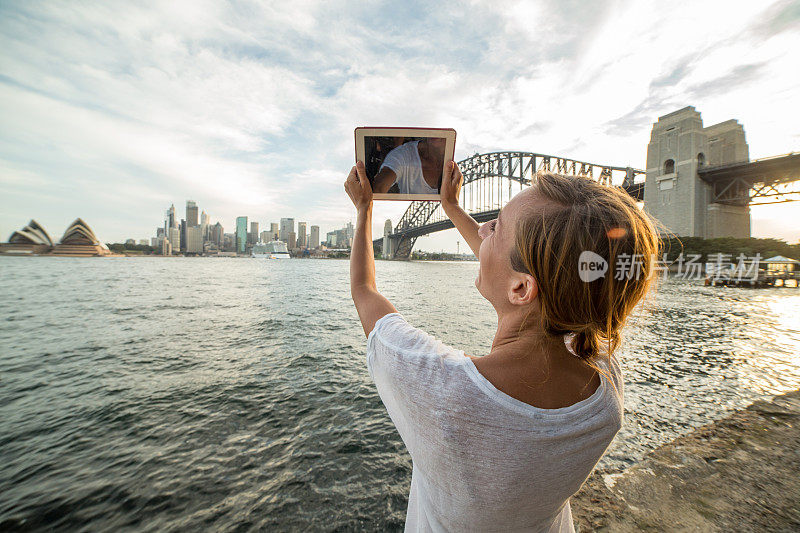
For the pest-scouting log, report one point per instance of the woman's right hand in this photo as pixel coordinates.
(451, 185)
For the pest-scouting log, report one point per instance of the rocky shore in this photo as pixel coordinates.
(741, 473)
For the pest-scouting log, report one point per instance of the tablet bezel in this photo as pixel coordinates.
(449, 134)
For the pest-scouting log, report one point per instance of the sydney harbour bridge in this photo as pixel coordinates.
(725, 190)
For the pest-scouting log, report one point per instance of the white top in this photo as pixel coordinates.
(482, 460)
(407, 166)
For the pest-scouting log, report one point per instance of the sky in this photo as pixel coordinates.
(112, 111)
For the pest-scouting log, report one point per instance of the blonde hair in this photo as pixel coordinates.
(580, 215)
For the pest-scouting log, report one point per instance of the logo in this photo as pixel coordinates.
(591, 266)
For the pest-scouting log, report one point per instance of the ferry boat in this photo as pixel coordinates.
(271, 250)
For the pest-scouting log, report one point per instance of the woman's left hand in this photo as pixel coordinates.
(358, 188)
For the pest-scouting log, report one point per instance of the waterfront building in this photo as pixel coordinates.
(265, 236)
(274, 231)
(32, 239)
(241, 234)
(174, 240)
(341, 238)
(183, 235)
(229, 242)
(191, 213)
(287, 226)
(216, 234)
(204, 218)
(253, 236)
(314, 239)
(166, 247)
(170, 220)
(194, 240)
(291, 240)
(80, 241)
(301, 235)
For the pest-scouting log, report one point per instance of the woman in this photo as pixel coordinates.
(415, 166)
(500, 442)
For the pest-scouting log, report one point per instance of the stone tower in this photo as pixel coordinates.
(673, 192)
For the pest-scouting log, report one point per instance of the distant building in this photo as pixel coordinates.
(170, 221)
(143, 242)
(273, 229)
(241, 234)
(80, 241)
(314, 238)
(130, 242)
(204, 225)
(191, 214)
(341, 238)
(194, 240)
(174, 240)
(216, 233)
(166, 247)
(183, 235)
(301, 235)
(291, 241)
(253, 235)
(229, 242)
(32, 239)
(287, 226)
(265, 236)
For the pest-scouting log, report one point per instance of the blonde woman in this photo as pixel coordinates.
(500, 442)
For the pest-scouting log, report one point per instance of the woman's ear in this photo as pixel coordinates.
(523, 289)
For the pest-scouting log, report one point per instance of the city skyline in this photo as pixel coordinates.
(112, 110)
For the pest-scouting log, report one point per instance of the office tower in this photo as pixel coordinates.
(350, 231)
(265, 237)
(253, 237)
(273, 229)
(291, 242)
(160, 232)
(204, 225)
(215, 234)
(287, 226)
(241, 234)
(174, 240)
(194, 240)
(314, 240)
(183, 235)
(170, 221)
(301, 235)
(191, 213)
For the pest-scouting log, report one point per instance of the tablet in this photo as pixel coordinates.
(405, 163)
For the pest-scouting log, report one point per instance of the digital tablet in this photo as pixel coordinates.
(405, 163)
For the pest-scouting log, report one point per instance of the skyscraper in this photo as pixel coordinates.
(170, 221)
(174, 240)
(191, 213)
(273, 229)
(291, 242)
(265, 236)
(217, 233)
(183, 235)
(287, 226)
(314, 240)
(253, 237)
(204, 218)
(194, 240)
(241, 234)
(301, 235)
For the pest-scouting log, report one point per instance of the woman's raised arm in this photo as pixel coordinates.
(370, 304)
(465, 224)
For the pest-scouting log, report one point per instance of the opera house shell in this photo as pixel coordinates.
(78, 241)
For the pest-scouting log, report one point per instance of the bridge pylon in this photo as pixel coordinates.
(675, 194)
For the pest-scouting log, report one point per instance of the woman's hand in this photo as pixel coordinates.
(451, 185)
(358, 188)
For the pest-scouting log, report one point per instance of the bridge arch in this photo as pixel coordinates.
(490, 180)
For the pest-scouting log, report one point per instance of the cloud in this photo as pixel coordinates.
(115, 110)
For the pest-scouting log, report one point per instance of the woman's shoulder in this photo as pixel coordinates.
(395, 340)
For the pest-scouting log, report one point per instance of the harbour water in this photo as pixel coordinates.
(232, 394)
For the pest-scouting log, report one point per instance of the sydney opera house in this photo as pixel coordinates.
(78, 241)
